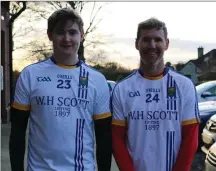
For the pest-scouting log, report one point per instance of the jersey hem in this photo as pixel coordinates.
(191, 121)
(101, 116)
(118, 122)
(20, 106)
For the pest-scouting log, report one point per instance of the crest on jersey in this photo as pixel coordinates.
(171, 91)
(83, 81)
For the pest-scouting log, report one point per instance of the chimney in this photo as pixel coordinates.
(200, 51)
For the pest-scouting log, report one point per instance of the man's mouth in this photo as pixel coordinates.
(66, 46)
(152, 53)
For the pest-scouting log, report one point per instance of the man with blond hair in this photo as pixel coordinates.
(155, 111)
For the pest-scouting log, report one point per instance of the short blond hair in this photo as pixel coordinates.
(151, 23)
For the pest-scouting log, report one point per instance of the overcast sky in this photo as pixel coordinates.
(189, 24)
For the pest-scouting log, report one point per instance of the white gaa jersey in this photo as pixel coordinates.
(63, 101)
(154, 110)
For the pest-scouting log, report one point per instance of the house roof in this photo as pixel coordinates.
(198, 62)
(210, 54)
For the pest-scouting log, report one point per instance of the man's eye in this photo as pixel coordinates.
(60, 32)
(145, 39)
(72, 32)
(158, 39)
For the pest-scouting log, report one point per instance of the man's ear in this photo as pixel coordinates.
(167, 44)
(136, 44)
(49, 34)
(82, 35)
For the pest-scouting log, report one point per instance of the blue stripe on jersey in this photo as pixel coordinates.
(75, 157)
(83, 75)
(78, 158)
(87, 85)
(171, 81)
(79, 145)
(167, 92)
(168, 80)
(171, 100)
(167, 151)
(175, 96)
(170, 154)
(79, 80)
(197, 113)
(82, 166)
(170, 151)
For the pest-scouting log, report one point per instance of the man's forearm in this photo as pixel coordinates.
(120, 151)
(188, 148)
(19, 121)
(17, 150)
(103, 144)
(104, 155)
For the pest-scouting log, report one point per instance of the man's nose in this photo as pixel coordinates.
(152, 44)
(66, 37)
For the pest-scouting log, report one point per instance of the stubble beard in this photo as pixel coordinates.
(152, 68)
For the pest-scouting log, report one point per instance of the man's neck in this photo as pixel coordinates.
(66, 60)
(152, 71)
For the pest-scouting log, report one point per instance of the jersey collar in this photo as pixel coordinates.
(66, 66)
(154, 77)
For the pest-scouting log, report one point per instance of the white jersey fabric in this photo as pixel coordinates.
(63, 103)
(154, 110)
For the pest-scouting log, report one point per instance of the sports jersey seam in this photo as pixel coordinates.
(36, 63)
(92, 68)
(127, 77)
(111, 96)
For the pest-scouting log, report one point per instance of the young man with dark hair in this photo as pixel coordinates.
(155, 110)
(64, 100)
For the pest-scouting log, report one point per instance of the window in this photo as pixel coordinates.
(212, 91)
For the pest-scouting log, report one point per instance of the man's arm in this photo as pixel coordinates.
(120, 152)
(188, 146)
(103, 143)
(19, 121)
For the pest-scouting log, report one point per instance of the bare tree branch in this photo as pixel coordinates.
(55, 4)
(17, 13)
(88, 30)
(92, 11)
(41, 10)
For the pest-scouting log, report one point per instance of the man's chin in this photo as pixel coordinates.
(152, 63)
(68, 53)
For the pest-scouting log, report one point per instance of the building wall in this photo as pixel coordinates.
(190, 71)
(5, 94)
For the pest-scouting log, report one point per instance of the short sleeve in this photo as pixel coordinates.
(21, 96)
(117, 109)
(102, 104)
(190, 111)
